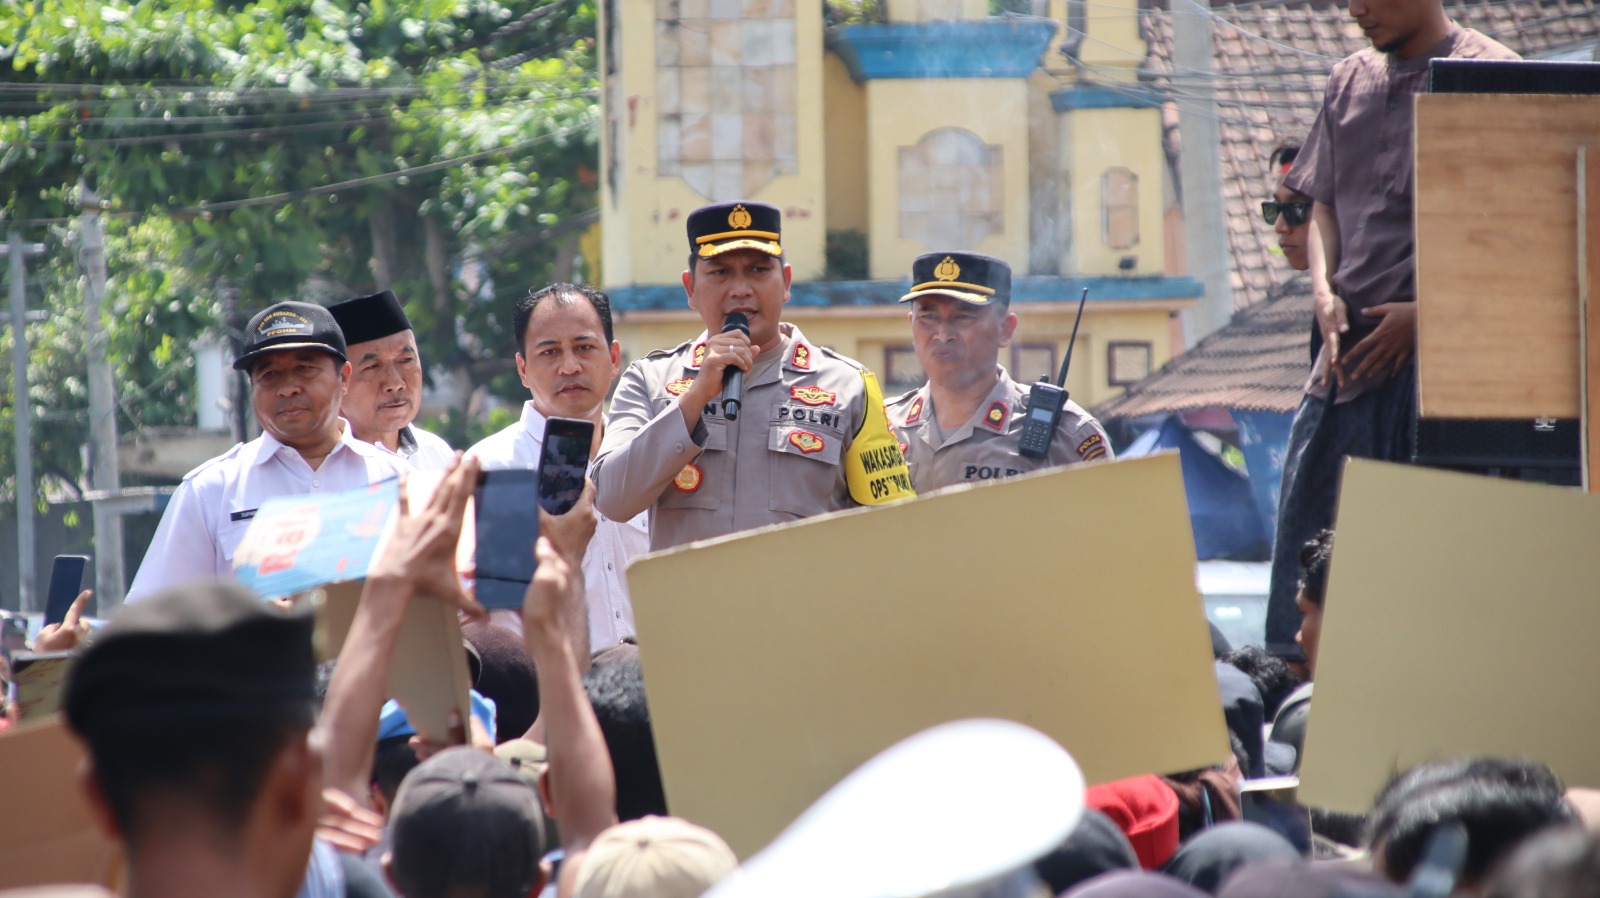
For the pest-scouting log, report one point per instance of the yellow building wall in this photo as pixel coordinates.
(864, 333)
(937, 10)
(643, 215)
(899, 113)
(1092, 141)
(845, 146)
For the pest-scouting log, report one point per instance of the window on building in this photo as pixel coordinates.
(901, 370)
(951, 196)
(1127, 361)
(1119, 208)
(1030, 361)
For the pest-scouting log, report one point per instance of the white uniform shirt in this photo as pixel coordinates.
(208, 515)
(429, 452)
(614, 543)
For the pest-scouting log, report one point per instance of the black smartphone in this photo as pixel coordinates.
(66, 581)
(506, 521)
(564, 462)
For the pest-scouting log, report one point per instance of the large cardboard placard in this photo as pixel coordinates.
(779, 660)
(47, 833)
(1460, 620)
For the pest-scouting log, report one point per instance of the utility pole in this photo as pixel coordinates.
(105, 475)
(1205, 226)
(16, 255)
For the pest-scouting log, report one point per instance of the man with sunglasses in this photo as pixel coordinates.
(1356, 167)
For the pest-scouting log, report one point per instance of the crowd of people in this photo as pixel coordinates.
(224, 759)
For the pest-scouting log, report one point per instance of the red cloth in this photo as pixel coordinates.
(1146, 810)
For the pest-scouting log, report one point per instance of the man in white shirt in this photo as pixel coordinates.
(385, 391)
(568, 358)
(295, 356)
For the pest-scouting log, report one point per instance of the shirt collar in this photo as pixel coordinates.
(347, 439)
(533, 423)
(1442, 49)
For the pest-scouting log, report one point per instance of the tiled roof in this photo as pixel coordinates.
(1258, 362)
(1272, 60)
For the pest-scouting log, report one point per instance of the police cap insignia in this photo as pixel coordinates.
(806, 441)
(680, 386)
(947, 270)
(739, 217)
(995, 417)
(688, 479)
(814, 395)
(970, 277)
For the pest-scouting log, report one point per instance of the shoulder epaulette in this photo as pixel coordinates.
(841, 357)
(663, 353)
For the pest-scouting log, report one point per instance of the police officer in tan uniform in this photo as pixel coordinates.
(964, 424)
(811, 436)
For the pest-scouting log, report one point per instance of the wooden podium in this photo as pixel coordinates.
(1508, 245)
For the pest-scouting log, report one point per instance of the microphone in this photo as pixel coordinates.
(732, 376)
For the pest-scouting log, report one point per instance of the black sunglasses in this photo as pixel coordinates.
(1296, 214)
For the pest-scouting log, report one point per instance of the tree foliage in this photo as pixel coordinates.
(249, 152)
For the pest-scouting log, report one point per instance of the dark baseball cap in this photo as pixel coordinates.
(722, 227)
(464, 818)
(290, 325)
(206, 649)
(970, 277)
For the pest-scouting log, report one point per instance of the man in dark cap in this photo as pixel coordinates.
(965, 424)
(386, 381)
(809, 438)
(197, 710)
(295, 356)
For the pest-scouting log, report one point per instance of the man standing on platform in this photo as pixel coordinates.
(809, 437)
(386, 381)
(964, 425)
(295, 356)
(1356, 166)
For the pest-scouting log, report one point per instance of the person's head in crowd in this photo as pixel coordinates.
(1219, 642)
(1406, 28)
(1500, 802)
(567, 355)
(616, 691)
(465, 823)
(1315, 558)
(1563, 862)
(392, 759)
(1274, 679)
(736, 264)
(1243, 710)
(961, 316)
(1208, 858)
(1304, 879)
(1289, 211)
(1146, 810)
(386, 382)
(654, 857)
(294, 354)
(1133, 884)
(197, 708)
(507, 678)
(1094, 846)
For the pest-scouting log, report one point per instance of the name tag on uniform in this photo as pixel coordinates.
(245, 515)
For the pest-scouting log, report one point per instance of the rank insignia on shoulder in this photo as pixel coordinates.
(688, 479)
(905, 449)
(806, 441)
(698, 357)
(1093, 447)
(802, 357)
(996, 416)
(814, 395)
(680, 386)
(916, 411)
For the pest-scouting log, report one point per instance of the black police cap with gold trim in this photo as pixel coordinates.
(969, 277)
(722, 227)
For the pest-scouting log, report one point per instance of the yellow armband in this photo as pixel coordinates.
(874, 466)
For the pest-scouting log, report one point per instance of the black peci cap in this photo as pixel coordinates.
(290, 325)
(721, 227)
(370, 317)
(970, 277)
(204, 649)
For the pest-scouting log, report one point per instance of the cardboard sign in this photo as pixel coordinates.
(1459, 620)
(47, 834)
(779, 660)
(319, 548)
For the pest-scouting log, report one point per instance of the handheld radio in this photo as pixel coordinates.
(1046, 400)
